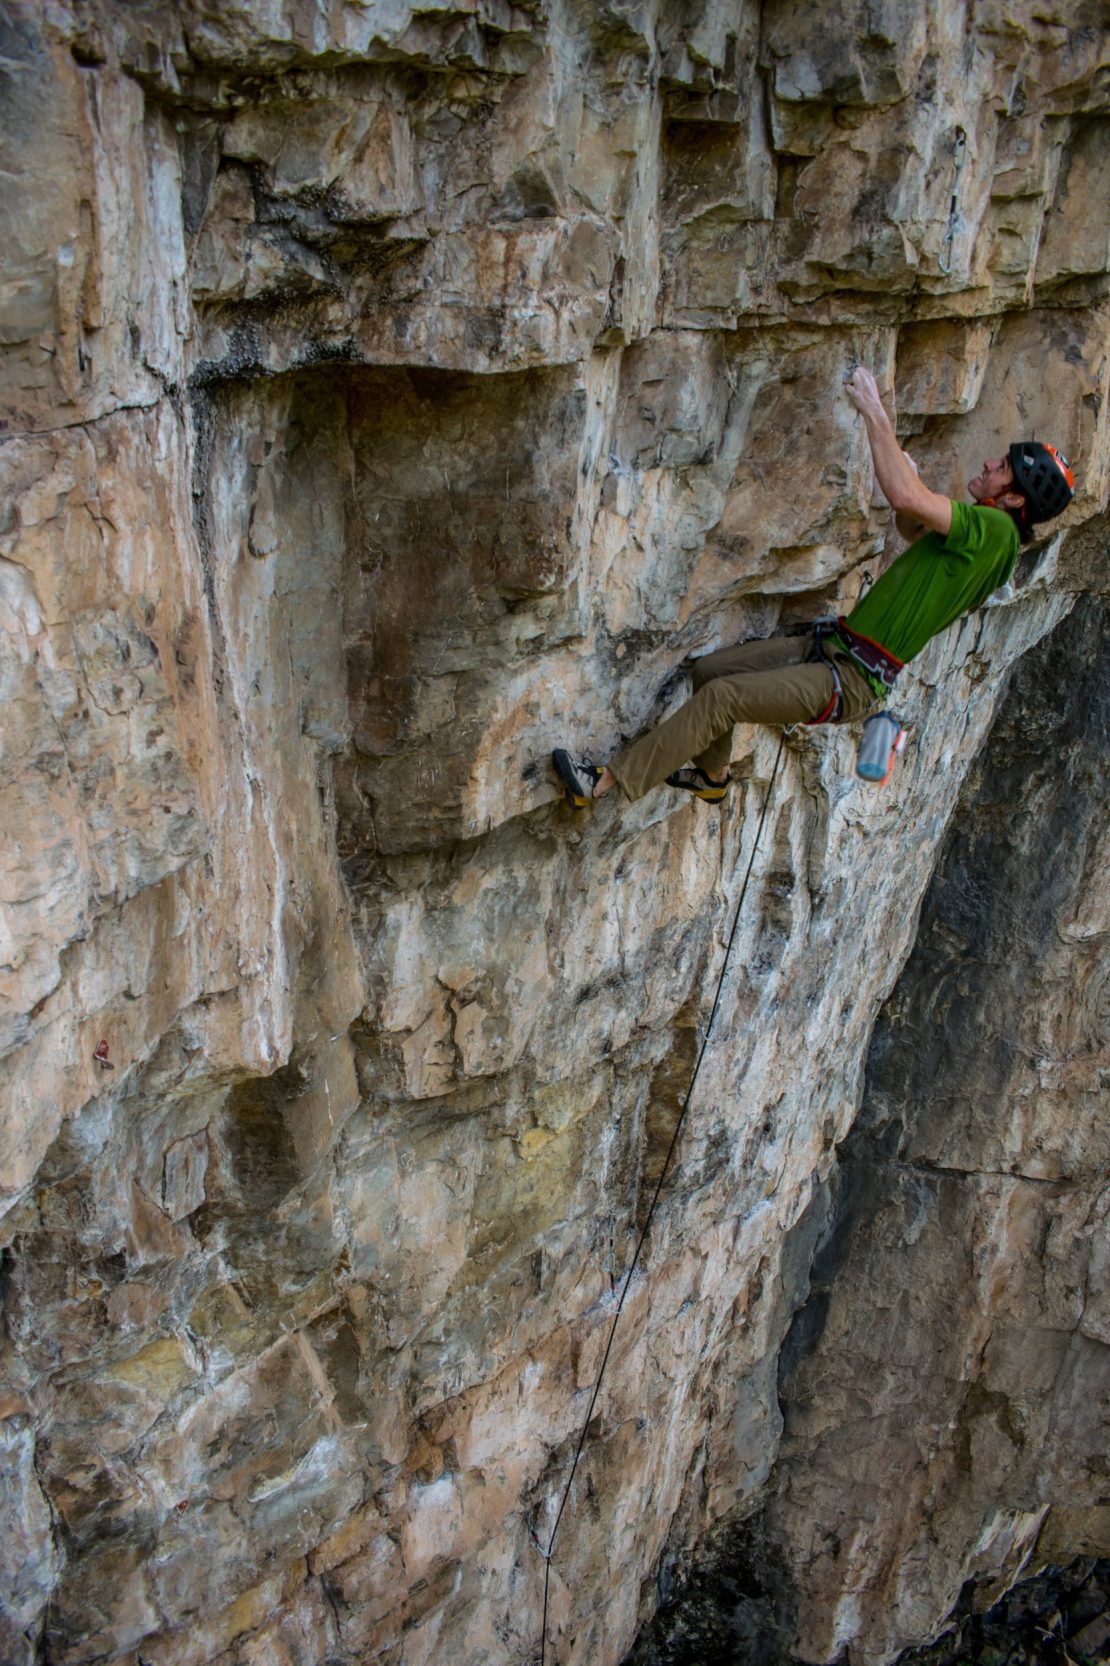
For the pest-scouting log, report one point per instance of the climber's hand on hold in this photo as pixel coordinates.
(863, 390)
(897, 476)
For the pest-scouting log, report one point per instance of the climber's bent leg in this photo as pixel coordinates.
(764, 654)
(702, 728)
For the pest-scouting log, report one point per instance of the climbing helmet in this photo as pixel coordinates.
(1044, 476)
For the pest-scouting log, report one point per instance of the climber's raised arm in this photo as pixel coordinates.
(909, 526)
(907, 495)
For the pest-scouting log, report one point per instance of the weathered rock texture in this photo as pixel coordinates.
(944, 1386)
(391, 392)
(955, 1346)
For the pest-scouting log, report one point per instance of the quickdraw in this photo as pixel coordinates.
(959, 157)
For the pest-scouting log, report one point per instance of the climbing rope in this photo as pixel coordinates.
(547, 1554)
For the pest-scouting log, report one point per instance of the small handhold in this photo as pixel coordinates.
(101, 1056)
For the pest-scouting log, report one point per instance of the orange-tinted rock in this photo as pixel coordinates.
(391, 394)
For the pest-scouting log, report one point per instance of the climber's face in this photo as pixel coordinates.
(994, 481)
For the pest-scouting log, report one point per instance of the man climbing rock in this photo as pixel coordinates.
(960, 554)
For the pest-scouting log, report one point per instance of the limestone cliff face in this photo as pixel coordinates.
(944, 1384)
(955, 1347)
(391, 393)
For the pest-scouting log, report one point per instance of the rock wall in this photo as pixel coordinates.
(391, 393)
(955, 1344)
(950, 1358)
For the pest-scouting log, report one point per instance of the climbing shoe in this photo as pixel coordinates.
(579, 780)
(696, 781)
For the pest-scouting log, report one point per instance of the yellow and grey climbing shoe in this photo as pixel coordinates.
(696, 781)
(578, 780)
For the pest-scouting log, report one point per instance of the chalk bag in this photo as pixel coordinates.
(882, 739)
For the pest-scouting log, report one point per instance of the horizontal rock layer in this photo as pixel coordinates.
(391, 394)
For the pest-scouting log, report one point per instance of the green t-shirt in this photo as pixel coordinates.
(937, 579)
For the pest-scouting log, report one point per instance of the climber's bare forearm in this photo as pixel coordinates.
(898, 481)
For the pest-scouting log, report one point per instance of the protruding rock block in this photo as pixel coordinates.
(1076, 240)
(939, 368)
(844, 54)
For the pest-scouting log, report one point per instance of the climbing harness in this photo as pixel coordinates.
(883, 736)
(548, 1553)
(959, 154)
(822, 630)
(872, 658)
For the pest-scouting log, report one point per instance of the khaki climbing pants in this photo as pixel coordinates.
(769, 681)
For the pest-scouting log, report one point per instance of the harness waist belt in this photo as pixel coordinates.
(872, 656)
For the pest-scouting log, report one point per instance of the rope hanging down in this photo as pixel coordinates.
(547, 1554)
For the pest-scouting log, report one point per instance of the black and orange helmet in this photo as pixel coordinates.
(1043, 475)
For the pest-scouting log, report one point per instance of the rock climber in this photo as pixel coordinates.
(961, 553)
